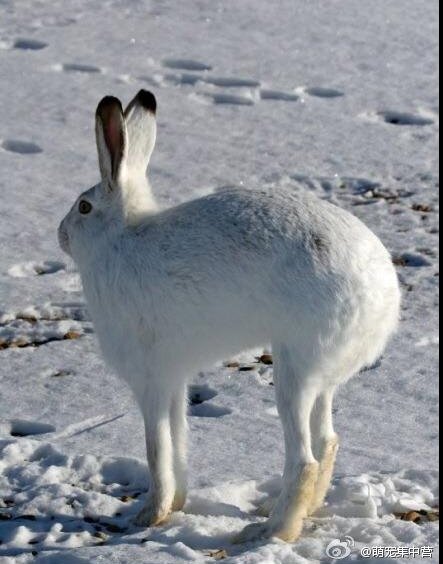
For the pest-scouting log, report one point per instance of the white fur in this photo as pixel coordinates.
(173, 291)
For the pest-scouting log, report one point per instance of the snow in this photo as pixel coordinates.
(339, 98)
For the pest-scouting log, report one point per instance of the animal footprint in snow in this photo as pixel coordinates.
(232, 99)
(29, 44)
(21, 147)
(23, 44)
(75, 67)
(186, 64)
(199, 396)
(190, 79)
(278, 95)
(78, 68)
(398, 118)
(229, 82)
(184, 79)
(321, 92)
(401, 118)
(22, 428)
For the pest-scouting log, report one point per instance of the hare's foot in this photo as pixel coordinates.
(288, 531)
(292, 506)
(326, 470)
(153, 514)
(259, 531)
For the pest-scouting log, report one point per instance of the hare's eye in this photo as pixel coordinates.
(84, 207)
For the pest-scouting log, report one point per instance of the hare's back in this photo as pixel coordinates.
(277, 222)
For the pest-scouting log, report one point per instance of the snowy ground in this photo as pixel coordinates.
(335, 97)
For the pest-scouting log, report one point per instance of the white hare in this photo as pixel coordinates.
(173, 290)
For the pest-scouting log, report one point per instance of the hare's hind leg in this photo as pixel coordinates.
(179, 430)
(155, 406)
(325, 445)
(295, 400)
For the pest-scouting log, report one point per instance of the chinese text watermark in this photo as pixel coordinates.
(338, 549)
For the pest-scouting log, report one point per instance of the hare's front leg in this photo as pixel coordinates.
(179, 430)
(156, 406)
(295, 400)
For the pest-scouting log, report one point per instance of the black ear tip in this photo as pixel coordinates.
(147, 100)
(109, 102)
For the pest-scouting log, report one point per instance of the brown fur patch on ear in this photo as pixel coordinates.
(110, 114)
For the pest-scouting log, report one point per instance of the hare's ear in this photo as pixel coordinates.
(142, 129)
(111, 136)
